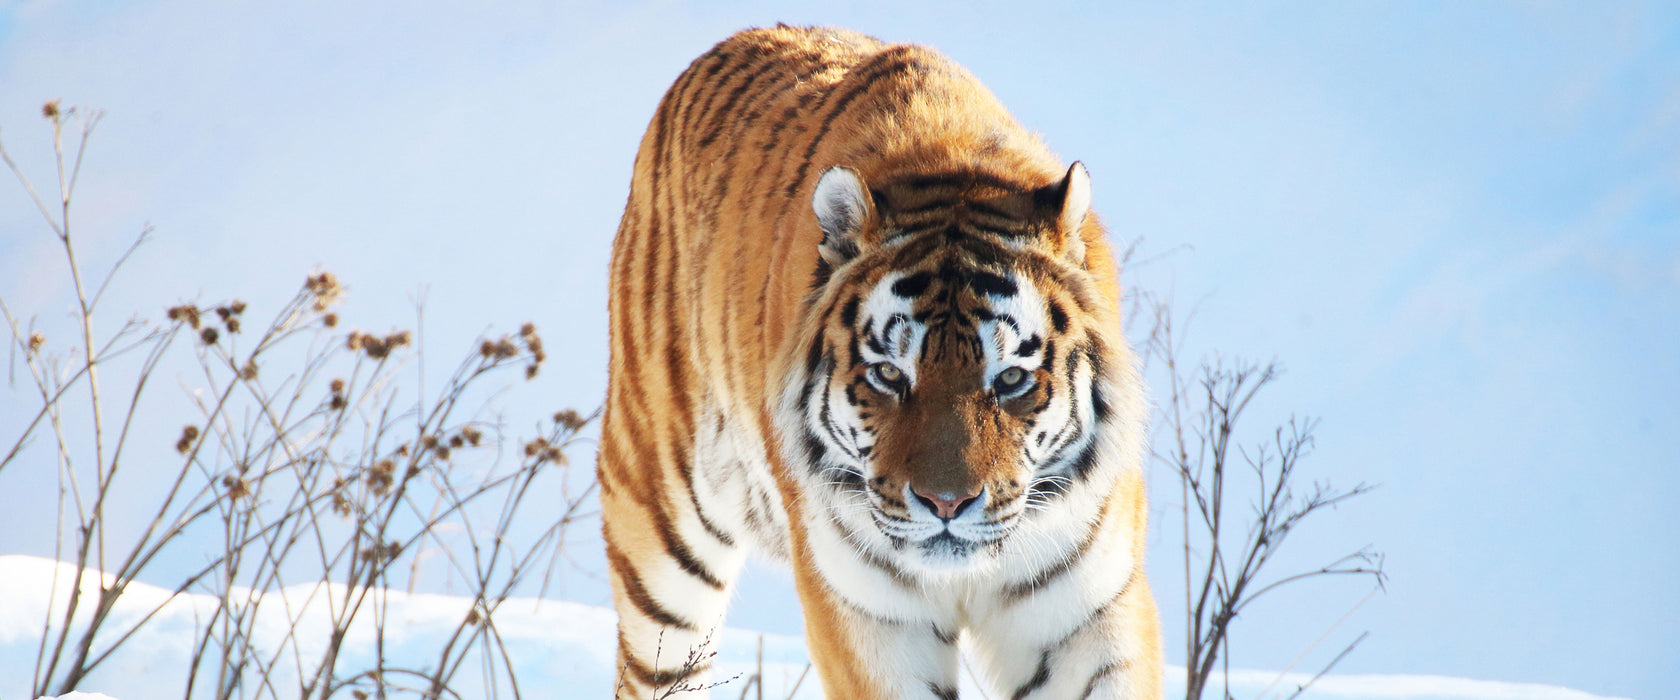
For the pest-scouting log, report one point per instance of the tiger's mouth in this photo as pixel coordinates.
(914, 528)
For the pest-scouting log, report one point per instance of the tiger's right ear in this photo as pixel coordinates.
(843, 206)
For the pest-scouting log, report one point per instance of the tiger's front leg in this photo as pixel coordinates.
(1087, 630)
(870, 635)
(672, 577)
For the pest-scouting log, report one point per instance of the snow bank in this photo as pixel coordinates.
(561, 650)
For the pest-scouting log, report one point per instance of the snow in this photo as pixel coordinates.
(561, 650)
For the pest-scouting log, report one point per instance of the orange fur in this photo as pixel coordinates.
(712, 307)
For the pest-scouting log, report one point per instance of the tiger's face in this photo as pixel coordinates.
(953, 392)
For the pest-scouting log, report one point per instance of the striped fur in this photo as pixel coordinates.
(863, 323)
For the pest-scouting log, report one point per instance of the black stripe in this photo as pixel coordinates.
(912, 286)
(1014, 592)
(942, 692)
(962, 179)
(679, 551)
(1106, 670)
(995, 285)
(639, 595)
(662, 679)
(876, 73)
(1039, 678)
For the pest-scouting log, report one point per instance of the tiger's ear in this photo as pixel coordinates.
(1070, 201)
(843, 206)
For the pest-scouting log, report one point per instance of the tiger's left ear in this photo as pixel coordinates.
(844, 207)
(1070, 199)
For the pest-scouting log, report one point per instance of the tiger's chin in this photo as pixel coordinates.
(946, 554)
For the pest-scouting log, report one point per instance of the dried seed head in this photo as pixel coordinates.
(570, 420)
(398, 339)
(185, 312)
(472, 435)
(337, 386)
(329, 320)
(36, 340)
(375, 348)
(224, 312)
(535, 446)
(385, 466)
(209, 336)
(531, 371)
(457, 441)
(341, 505)
(249, 371)
(528, 330)
(337, 403)
(50, 109)
(429, 442)
(553, 454)
(472, 616)
(353, 342)
(237, 488)
(233, 325)
(359, 694)
(442, 452)
(412, 471)
(506, 349)
(402, 450)
(189, 434)
(237, 306)
(486, 348)
(324, 288)
(534, 344)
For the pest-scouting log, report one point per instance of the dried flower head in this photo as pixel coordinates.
(472, 435)
(442, 452)
(329, 320)
(224, 312)
(185, 312)
(429, 442)
(570, 419)
(340, 504)
(237, 306)
(535, 447)
(528, 330)
(353, 342)
(359, 694)
(473, 617)
(457, 441)
(237, 488)
(232, 325)
(324, 288)
(553, 454)
(487, 348)
(375, 348)
(189, 435)
(337, 402)
(36, 340)
(531, 371)
(398, 339)
(402, 450)
(208, 335)
(249, 371)
(337, 386)
(50, 109)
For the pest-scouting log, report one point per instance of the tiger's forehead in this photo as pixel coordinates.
(954, 298)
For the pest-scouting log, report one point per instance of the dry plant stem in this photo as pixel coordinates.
(1220, 583)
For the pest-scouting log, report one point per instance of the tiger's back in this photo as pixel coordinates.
(725, 281)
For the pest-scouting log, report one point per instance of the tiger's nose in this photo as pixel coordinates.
(945, 504)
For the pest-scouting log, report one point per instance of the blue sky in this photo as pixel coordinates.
(1457, 225)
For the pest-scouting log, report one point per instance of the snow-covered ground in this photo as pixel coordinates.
(561, 650)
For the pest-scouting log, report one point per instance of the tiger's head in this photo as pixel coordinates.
(960, 367)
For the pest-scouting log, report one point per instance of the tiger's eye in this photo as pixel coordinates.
(888, 372)
(1010, 379)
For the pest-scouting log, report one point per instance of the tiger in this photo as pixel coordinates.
(865, 324)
